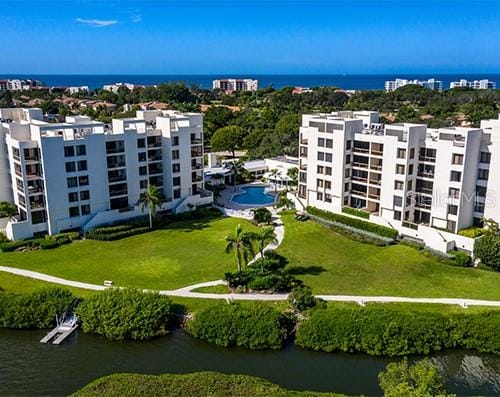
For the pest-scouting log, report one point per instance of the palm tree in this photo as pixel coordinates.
(275, 174)
(241, 244)
(151, 199)
(236, 168)
(264, 237)
(218, 178)
(292, 173)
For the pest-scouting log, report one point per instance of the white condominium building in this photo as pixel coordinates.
(116, 86)
(230, 85)
(426, 183)
(82, 173)
(476, 84)
(18, 85)
(431, 84)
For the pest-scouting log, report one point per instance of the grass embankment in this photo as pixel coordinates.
(198, 384)
(333, 264)
(183, 253)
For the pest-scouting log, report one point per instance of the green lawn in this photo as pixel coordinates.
(182, 254)
(333, 264)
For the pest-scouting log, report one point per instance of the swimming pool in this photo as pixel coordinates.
(253, 195)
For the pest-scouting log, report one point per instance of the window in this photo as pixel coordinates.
(483, 175)
(141, 143)
(84, 195)
(74, 211)
(328, 157)
(83, 180)
(72, 182)
(398, 185)
(115, 147)
(329, 143)
(177, 193)
(457, 159)
(328, 185)
(480, 191)
(175, 141)
(70, 166)
(319, 182)
(319, 196)
(348, 145)
(141, 157)
(412, 153)
(72, 197)
(143, 170)
(175, 155)
(452, 209)
(348, 159)
(451, 225)
(321, 156)
(321, 142)
(401, 153)
(347, 173)
(455, 176)
(397, 201)
(400, 169)
(82, 165)
(176, 181)
(397, 215)
(328, 198)
(69, 151)
(85, 209)
(485, 157)
(409, 185)
(176, 167)
(346, 187)
(479, 207)
(320, 169)
(410, 169)
(81, 150)
(143, 184)
(454, 193)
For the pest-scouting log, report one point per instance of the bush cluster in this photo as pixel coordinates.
(265, 274)
(380, 331)
(198, 213)
(262, 215)
(301, 298)
(111, 233)
(34, 310)
(487, 249)
(48, 242)
(472, 232)
(355, 223)
(122, 314)
(253, 325)
(356, 212)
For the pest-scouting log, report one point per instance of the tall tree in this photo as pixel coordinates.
(237, 169)
(228, 139)
(7, 209)
(264, 237)
(241, 244)
(151, 199)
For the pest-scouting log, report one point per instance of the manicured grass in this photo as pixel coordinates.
(19, 284)
(333, 264)
(182, 254)
(214, 289)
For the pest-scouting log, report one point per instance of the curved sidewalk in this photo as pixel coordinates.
(186, 292)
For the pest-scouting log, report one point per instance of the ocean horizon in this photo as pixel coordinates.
(342, 81)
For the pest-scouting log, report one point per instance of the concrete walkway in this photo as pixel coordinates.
(186, 292)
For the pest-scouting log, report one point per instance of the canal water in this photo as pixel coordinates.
(30, 368)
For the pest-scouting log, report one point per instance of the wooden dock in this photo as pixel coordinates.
(65, 327)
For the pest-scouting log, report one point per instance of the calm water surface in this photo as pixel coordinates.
(30, 368)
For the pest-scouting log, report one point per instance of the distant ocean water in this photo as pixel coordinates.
(347, 82)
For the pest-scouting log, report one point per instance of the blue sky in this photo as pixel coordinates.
(249, 36)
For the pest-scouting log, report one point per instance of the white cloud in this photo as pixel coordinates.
(97, 23)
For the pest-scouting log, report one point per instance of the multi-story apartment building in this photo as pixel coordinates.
(426, 183)
(476, 84)
(116, 86)
(83, 173)
(431, 84)
(18, 85)
(230, 85)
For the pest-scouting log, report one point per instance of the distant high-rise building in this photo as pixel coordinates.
(476, 84)
(230, 85)
(431, 84)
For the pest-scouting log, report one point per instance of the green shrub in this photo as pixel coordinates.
(115, 232)
(49, 244)
(360, 235)
(487, 249)
(64, 236)
(253, 325)
(460, 259)
(472, 232)
(355, 223)
(122, 314)
(301, 298)
(412, 242)
(189, 385)
(356, 212)
(380, 331)
(262, 215)
(34, 310)
(14, 245)
(3, 238)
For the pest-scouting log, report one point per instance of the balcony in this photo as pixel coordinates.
(427, 159)
(361, 150)
(196, 141)
(423, 174)
(360, 165)
(197, 166)
(359, 179)
(196, 153)
(358, 193)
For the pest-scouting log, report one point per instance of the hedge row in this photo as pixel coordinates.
(48, 242)
(189, 385)
(112, 233)
(472, 232)
(122, 314)
(359, 224)
(253, 325)
(34, 310)
(356, 212)
(380, 331)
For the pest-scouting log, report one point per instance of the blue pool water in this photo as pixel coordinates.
(253, 195)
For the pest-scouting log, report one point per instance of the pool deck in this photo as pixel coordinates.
(225, 197)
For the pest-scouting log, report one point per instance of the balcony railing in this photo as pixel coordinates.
(427, 159)
(410, 225)
(358, 192)
(361, 150)
(360, 165)
(425, 174)
(196, 141)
